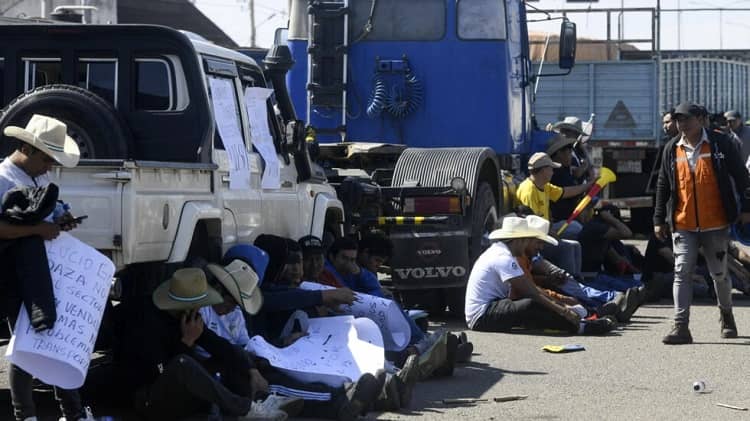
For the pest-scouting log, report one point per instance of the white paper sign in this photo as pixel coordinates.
(336, 350)
(255, 103)
(385, 313)
(81, 278)
(226, 113)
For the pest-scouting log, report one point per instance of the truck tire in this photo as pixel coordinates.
(92, 122)
(483, 221)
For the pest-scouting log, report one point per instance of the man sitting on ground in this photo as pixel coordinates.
(488, 306)
(158, 357)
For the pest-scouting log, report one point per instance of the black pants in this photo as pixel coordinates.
(505, 314)
(184, 389)
(321, 400)
(21, 390)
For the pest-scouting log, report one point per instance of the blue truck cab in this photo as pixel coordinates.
(416, 109)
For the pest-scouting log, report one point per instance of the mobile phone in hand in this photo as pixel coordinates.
(80, 219)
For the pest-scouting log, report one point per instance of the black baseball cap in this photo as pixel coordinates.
(311, 244)
(688, 108)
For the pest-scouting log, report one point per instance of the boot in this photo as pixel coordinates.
(728, 327)
(679, 335)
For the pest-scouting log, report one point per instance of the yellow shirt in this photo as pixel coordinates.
(538, 200)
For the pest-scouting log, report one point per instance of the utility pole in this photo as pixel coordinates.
(252, 22)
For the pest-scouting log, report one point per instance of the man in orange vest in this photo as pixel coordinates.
(700, 178)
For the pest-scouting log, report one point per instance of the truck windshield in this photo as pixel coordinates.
(399, 20)
(481, 19)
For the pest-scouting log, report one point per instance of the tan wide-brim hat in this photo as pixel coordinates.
(515, 227)
(242, 282)
(558, 142)
(50, 136)
(541, 226)
(187, 289)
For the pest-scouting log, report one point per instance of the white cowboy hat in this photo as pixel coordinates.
(187, 289)
(242, 282)
(571, 123)
(49, 135)
(515, 227)
(541, 225)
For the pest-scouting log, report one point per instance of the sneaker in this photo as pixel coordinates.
(462, 338)
(408, 376)
(360, 396)
(87, 416)
(451, 348)
(611, 308)
(679, 335)
(389, 399)
(291, 405)
(432, 352)
(464, 352)
(260, 410)
(728, 326)
(599, 326)
(629, 305)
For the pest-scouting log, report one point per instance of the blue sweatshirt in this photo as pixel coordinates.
(365, 281)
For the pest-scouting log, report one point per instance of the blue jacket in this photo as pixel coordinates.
(365, 281)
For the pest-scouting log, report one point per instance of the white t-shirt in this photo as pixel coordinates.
(12, 176)
(230, 326)
(488, 280)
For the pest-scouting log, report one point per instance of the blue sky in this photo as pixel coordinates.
(698, 30)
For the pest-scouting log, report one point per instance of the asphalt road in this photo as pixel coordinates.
(627, 374)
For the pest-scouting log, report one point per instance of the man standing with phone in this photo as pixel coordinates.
(40, 145)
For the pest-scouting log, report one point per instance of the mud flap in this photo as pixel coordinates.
(430, 259)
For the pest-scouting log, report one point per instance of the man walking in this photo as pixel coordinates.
(734, 119)
(699, 178)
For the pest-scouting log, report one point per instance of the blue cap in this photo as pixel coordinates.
(253, 256)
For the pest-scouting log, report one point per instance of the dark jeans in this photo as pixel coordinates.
(505, 314)
(21, 390)
(184, 389)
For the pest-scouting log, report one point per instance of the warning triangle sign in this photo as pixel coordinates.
(620, 117)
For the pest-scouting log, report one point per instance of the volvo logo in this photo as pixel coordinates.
(431, 272)
(429, 252)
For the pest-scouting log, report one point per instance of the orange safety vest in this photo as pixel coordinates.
(699, 205)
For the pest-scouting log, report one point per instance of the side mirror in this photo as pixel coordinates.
(280, 36)
(567, 45)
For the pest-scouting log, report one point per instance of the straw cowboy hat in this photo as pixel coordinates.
(49, 135)
(242, 283)
(558, 142)
(515, 227)
(541, 226)
(187, 289)
(571, 123)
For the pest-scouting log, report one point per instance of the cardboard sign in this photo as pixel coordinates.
(81, 278)
(384, 312)
(336, 350)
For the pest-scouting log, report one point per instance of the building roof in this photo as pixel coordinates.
(178, 14)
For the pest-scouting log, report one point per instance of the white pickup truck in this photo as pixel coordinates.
(152, 110)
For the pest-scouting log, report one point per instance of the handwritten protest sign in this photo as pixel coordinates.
(81, 278)
(385, 313)
(226, 111)
(336, 350)
(257, 110)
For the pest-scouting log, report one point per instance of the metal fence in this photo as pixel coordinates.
(718, 84)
